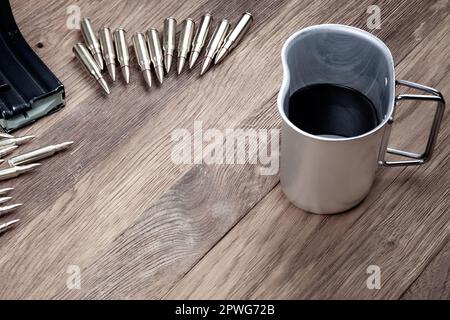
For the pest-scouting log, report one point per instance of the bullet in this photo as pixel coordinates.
(123, 55)
(185, 42)
(5, 136)
(156, 54)
(109, 55)
(38, 154)
(143, 57)
(7, 209)
(7, 150)
(82, 53)
(200, 38)
(170, 30)
(235, 36)
(8, 225)
(214, 44)
(91, 41)
(5, 191)
(15, 141)
(4, 199)
(10, 173)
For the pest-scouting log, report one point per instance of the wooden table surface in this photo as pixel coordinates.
(140, 226)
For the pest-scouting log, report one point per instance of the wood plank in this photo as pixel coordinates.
(120, 273)
(97, 145)
(278, 251)
(106, 188)
(434, 282)
(109, 280)
(127, 178)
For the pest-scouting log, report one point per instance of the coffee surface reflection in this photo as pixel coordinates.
(333, 111)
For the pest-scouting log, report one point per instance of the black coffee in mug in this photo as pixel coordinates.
(332, 110)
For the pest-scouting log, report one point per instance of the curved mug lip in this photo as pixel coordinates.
(286, 78)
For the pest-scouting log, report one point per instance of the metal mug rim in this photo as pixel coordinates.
(286, 80)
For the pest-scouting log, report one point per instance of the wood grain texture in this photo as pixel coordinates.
(140, 226)
(434, 281)
(234, 276)
(278, 251)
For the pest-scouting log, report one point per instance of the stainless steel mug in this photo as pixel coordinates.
(323, 174)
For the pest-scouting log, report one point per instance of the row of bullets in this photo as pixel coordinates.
(101, 51)
(18, 165)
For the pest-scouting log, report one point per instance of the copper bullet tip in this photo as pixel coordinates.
(222, 53)
(181, 62)
(5, 190)
(8, 225)
(193, 59)
(206, 65)
(147, 77)
(112, 71)
(4, 199)
(7, 209)
(99, 59)
(168, 62)
(126, 74)
(104, 85)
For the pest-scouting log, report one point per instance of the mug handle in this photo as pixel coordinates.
(417, 159)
